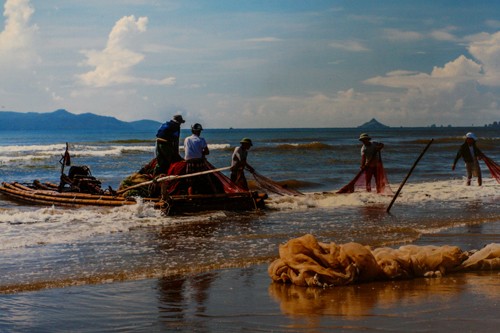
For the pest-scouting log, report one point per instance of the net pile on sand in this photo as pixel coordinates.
(306, 262)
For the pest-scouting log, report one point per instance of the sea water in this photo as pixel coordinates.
(50, 247)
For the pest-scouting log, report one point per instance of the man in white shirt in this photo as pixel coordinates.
(195, 150)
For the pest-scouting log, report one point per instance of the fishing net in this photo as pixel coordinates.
(493, 167)
(211, 183)
(363, 181)
(305, 261)
(271, 186)
(228, 185)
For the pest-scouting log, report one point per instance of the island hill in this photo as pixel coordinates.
(64, 120)
(373, 125)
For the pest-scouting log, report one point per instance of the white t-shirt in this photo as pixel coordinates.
(193, 147)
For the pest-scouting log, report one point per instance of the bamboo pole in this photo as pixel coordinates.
(173, 177)
(408, 175)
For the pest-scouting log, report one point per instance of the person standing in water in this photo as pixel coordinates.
(471, 155)
(195, 150)
(239, 163)
(167, 144)
(370, 156)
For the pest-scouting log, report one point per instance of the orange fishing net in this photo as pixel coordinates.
(493, 167)
(216, 182)
(368, 179)
(269, 185)
(304, 261)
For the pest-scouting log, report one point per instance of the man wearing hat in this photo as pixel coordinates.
(470, 154)
(370, 156)
(195, 150)
(167, 144)
(239, 163)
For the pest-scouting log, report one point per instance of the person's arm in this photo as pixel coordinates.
(205, 151)
(479, 153)
(363, 161)
(235, 160)
(457, 157)
(249, 168)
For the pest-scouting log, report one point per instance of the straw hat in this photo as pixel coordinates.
(246, 140)
(364, 136)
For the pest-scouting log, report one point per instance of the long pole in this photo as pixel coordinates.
(408, 175)
(166, 178)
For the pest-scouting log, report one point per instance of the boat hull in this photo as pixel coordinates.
(171, 205)
(50, 197)
(182, 204)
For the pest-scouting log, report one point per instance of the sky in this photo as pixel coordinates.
(255, 63)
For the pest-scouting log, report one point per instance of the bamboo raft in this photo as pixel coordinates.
(85, 190)
(47, 194)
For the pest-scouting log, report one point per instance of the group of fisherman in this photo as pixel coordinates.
(195, 151)
(196, 148)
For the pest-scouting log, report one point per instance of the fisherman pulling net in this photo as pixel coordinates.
(371, 170)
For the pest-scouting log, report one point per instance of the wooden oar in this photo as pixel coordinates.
(408, 175)
(173, 177)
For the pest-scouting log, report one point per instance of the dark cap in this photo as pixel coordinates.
(197, 127)
(178, 118)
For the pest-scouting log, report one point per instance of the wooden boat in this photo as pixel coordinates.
(47, 194)
(79, 189)
(244, 201)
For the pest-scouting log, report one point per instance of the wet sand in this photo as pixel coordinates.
(245, 300)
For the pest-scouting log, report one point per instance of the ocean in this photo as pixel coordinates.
(104, 256)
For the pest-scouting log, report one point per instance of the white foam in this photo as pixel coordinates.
(26, 228)
(444, 191)
(27, 153)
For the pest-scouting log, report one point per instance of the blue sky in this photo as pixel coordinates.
(255, 63)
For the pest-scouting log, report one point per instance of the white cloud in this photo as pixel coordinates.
(447, 92)
(352, 46)
(441, 78)
(493, 23)
(263, 40)
(487, 52)
(112, 65)
(17, 38)
(403, 36)
(444, 34)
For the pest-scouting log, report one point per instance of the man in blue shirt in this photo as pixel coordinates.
(167, 144)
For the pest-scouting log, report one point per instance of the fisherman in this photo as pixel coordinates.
(470, 154)
(195, 150)
(239, 163)
(370, 157)
(167, 144)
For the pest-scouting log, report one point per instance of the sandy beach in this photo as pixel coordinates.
(245, 300)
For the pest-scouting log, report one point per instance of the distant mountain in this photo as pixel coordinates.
(62, 119)
(373, 124)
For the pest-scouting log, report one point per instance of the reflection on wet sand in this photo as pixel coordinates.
(357, 301)
(182, 298)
